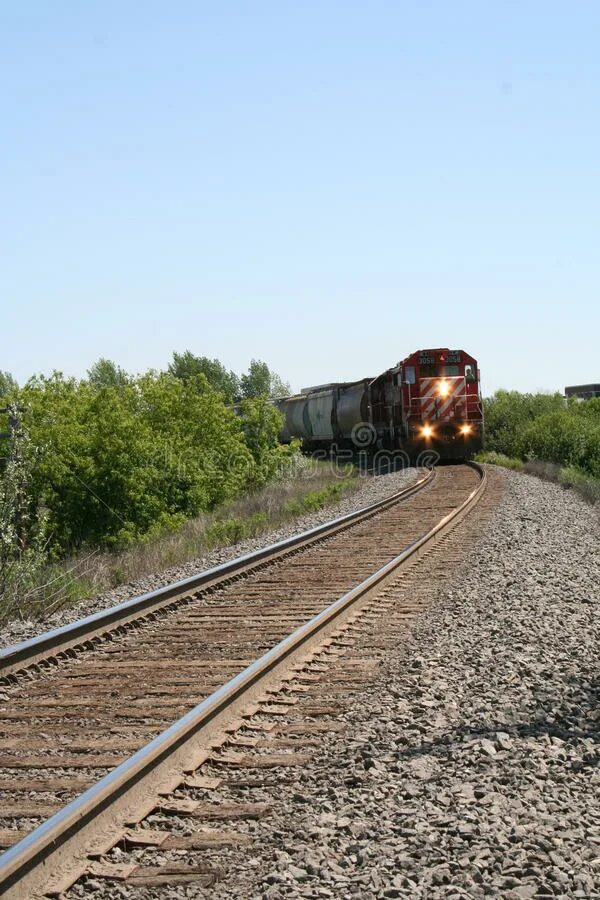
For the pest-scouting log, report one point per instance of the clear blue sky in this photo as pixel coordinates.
(324, 185)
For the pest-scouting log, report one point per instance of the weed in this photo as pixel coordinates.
(499, 459)
(569, 477)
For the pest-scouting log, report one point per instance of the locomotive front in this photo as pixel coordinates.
(441, 402)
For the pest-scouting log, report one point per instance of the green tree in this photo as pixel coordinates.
(8, 385)
(199, 435)
(186, 366)
(279, 387)
(106, 373)
(261, 424)
(260, 381)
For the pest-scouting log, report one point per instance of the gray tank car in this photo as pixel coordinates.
(326, 414)
(295, 418)
(352, 408)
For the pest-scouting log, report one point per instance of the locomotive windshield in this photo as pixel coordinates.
(432, 371)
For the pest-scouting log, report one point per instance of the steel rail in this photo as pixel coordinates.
(52, 839)
(94, 627)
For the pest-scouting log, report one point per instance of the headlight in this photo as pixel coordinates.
(444, 389)
(466, 429)
(427, 431)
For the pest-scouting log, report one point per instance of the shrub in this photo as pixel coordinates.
(545, 427)
(507, 412)
(121, 458)
(547, 436)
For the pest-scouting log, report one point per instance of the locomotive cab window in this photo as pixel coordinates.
(469, 374)
(409, 375)
(439, 371)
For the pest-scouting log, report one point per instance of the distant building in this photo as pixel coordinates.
(583, 391)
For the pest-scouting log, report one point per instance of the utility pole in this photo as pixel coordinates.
(14, 423)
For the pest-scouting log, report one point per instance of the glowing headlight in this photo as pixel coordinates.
(465, 429)
(444, 389)
(427, 431)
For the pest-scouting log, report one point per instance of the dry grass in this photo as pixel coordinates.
(569, 477)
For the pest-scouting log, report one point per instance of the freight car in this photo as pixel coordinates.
(430, 401)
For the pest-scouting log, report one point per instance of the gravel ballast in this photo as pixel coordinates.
(370, 491)
(472, 766)
(469, 767)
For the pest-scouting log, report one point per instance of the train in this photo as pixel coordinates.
(430, 401)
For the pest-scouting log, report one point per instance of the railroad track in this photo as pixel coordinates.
(88, 750)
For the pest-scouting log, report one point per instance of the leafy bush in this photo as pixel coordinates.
(508, 412)
(545, 427)
(261, 423)
(547, 436)
(122, 457)
(565, 438)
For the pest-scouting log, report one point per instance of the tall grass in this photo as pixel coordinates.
(568, 476)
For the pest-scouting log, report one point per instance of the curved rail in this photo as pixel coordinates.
(94, 627)
(57, 839)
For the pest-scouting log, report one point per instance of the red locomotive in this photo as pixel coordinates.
(429, 401)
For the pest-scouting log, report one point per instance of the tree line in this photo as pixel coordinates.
(258, 381)
(113, 458)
